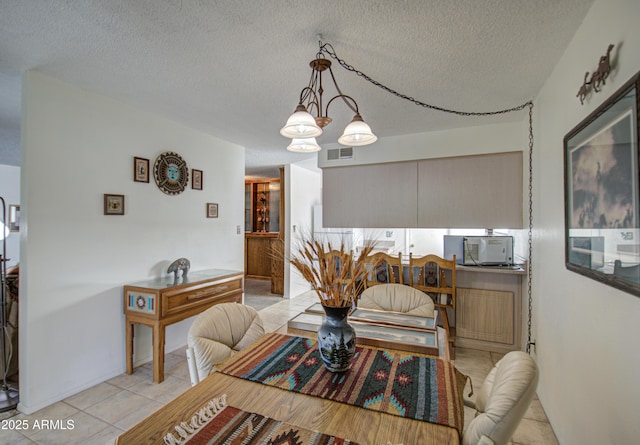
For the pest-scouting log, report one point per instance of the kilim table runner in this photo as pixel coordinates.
(394, 382)
(228, 425)
(234, 426)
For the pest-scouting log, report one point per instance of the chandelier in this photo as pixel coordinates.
(303, 126)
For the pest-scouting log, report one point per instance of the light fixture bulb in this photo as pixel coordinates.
(357, 133)
(301, 125)
(304, 145)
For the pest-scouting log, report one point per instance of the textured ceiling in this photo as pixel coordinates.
(235, 69)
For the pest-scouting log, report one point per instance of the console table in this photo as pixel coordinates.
(161, 302)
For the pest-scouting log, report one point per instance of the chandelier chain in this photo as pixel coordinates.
(530, 233)
(328, 49)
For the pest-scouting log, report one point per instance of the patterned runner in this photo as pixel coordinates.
(233, 426)
(219, 424)
(394, 382)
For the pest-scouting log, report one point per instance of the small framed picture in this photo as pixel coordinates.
(140, 169)
(14, 217)
(113, 204)
(196, 179)
(212, 210)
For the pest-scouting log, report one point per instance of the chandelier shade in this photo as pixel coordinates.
(301, 124)
(304, 145)
(357, 133)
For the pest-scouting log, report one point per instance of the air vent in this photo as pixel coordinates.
(339, 154)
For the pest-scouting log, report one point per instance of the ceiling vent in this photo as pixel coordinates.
(340, 154)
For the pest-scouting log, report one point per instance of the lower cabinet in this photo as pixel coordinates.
(488, 313)
(261, 262)
(485, 315)
(258, 256)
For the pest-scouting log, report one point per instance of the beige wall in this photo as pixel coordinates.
(76, 146)
(586, 333)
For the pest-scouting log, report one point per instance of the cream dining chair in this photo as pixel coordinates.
(217, 333)
(397, 298)
(502, 401)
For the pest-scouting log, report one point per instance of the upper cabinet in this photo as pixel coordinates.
(481, 191)
(376, 195)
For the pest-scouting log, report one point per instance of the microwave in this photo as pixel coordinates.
(479, 250)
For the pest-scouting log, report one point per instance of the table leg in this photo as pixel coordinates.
(158, 353)
(130, 335)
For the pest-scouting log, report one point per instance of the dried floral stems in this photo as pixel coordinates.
(332, 272)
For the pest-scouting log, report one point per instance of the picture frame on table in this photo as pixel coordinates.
(196, 179)
(113, 204)
(140, 169)
(602, 189)
(212, 210)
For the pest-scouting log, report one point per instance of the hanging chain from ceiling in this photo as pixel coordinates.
(530, 233)
(328, 49)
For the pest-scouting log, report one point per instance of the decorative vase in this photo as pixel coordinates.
(336, 339)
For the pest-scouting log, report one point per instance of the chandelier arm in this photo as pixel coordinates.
(309, 89)
(311, 98)
(346, 100)
(328, 49)
(341, 94)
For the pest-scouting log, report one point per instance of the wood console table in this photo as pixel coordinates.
(158, 303)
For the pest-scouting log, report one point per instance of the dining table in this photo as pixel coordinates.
(386, 397)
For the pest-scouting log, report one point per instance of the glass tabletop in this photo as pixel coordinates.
(385, 317)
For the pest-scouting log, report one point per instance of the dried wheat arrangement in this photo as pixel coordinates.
(331, 269)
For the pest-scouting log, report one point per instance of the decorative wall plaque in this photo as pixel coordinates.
(171, 173)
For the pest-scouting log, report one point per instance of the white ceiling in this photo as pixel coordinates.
(235, 69)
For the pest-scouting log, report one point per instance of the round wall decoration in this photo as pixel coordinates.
(171, 173)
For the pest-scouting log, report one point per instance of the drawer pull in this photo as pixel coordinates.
(206, 293)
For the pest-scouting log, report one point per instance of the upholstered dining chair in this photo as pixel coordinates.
(217, 333)
(502, 401)
(397, 298)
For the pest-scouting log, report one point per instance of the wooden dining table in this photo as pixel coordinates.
(360, 425)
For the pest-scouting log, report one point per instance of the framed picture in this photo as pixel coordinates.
(14, 217)
(140, 169)
(196, 179)
(601, 162)
(212, 210)
(113, 204)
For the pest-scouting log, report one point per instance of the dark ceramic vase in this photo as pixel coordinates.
(336, 339)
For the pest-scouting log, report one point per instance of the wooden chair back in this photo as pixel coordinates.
(435, 276)
(341, 264)
(383, 268)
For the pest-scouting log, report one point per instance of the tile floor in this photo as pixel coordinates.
(99, 414)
